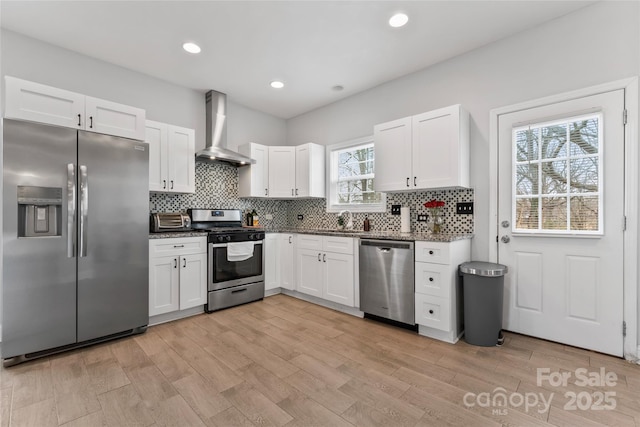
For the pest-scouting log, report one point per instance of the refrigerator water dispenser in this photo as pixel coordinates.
(39, 211)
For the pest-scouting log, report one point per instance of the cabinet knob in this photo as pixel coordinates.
(431, 279)
(430, 252)
(430, 311)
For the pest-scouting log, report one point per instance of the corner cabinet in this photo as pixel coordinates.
(283, 172)
(36, 102)
(438, 288)
(325, 268)
(177, 274)
(429, 150)
(171, 158)
(279, 261)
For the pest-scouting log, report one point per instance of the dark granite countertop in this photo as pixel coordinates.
(173, 234)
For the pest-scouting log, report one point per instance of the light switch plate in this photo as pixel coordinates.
(422, 217)
(300, 217)
(464, 208)
(395, 209)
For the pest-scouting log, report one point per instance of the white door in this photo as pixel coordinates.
(163, 285)
(392, 142)
(338, 281)
(193, 280)
(271, 261)
(287, 261)
(156, 137)
(182, 167)
(560, 220)
(310, 272)
(282, 171)
(254, 179)
(112, 118)
(303, 159)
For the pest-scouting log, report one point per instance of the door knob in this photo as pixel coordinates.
(504, 224)
(505, 239)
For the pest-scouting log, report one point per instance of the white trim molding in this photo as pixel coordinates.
(631, 304)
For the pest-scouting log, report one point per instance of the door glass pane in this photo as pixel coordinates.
(584, 212)
(555, 162)
(554, 177)
(554, 213)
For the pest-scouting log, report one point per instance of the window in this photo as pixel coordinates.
(351, 178)
(558, 177)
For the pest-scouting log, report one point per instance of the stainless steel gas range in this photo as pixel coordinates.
(235, 258)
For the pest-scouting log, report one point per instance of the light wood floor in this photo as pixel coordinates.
(283, 361)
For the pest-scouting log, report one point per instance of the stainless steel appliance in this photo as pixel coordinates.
(162, 222)
(75, 239)
(236, 258)
(387, 280)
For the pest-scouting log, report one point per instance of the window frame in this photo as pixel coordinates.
(332, 183)
(515, 162)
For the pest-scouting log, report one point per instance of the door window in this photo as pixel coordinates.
(557, 177)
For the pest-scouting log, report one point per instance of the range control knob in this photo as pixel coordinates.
(260, 236)
(220, 238)
(227, 238)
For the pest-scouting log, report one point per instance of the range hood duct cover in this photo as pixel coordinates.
(216, 150)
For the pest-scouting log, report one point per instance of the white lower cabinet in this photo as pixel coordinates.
(325, 268)
(438, 288)
(279, 261)
(177, 274)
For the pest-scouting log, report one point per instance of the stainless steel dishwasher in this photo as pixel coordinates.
(387, 280)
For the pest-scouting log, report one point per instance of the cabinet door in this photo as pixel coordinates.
(112, 118)
(271, 261)
(338, 278)
(310, 270)
(253, 180)
(156, 137)
(45, 104)
(437, 132)
(392, 142)
(287, 261)
(164, 294)
(282, 172)
(182, 166)
(193, 280)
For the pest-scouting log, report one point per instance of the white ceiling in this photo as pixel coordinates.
(310, 45)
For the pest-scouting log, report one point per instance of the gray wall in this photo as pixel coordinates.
(31, 59)
(594, 45)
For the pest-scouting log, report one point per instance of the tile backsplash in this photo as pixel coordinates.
(217, 188)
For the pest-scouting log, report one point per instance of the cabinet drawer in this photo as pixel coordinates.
(433, 312)
(437, 252)
(177, 246)
(309, 241)
(341, 245)
(433, 279)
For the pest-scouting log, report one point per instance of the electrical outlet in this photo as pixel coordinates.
(300, 217)
(422, 217)
(464, 208)
(395, 209)
(269, 216)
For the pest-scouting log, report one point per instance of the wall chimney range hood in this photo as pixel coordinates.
(216, 150)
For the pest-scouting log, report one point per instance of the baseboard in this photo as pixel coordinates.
(319, 301)
(175, 315)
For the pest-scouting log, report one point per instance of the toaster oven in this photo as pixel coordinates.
(163, 222)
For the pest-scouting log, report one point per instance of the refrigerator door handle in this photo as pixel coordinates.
(71, 210)
(84, 209)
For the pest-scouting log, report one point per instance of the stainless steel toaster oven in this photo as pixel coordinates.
(163, 222)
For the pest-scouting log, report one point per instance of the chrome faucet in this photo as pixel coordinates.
(349, 224)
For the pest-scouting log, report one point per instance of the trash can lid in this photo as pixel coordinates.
(486, 269)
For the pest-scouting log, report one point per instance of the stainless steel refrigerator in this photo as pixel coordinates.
(75, 239)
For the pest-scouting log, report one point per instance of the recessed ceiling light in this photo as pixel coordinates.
(277, 84)
(398, 20)
(191, 47)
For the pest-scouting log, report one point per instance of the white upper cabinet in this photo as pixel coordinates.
(112, 118)
(310, 170)
(429, 150)
(171, 158)
(254, 179)
(282, 171)
(36, 102)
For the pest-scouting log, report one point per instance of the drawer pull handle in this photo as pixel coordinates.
(178, 246)
(430, 252)
(239, 290)
(430, 311)
(431, 279)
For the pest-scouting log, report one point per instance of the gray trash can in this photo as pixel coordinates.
(483, 288)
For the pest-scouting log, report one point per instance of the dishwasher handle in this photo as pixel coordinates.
(387, 244)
